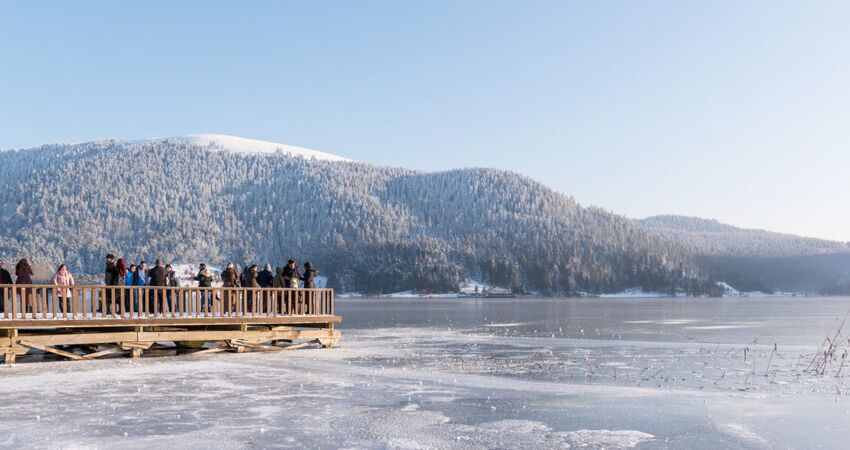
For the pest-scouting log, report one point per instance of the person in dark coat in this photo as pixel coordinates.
(250, 281)
(266, 278)
(279, 283)
(291, 275)
(309, 279)
(291, 280)
(23, 272)
(112, 274)
(5, 278)
(309, 276)
(172, 280)
(111, 277)
(251, 277)
(158, 275)
(229, 279)
(158, 278)
(204, 279)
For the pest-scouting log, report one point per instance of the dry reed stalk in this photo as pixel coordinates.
(766, 369)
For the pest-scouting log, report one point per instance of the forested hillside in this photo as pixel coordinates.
(710, 237)
(369, 229)
(758, 260)
(372, 229)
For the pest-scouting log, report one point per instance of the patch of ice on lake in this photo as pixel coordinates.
(663, 322)
(731, 326)
(607, 438)
(507, 325)
(740, 431)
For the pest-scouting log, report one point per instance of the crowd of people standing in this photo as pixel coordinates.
(117, 273)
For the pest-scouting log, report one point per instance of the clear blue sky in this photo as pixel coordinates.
(734, 110)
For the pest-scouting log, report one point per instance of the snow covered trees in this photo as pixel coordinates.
(371, 229)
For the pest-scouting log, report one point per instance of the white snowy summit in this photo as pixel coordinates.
(252, 146)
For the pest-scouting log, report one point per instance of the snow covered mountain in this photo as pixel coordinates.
(237, 144)
(370, 229)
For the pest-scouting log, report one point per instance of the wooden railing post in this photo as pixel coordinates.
(53, 302)
(32, 299)
(178, 296)
(45, 303)
(240, 302)
(144, 301)
(74, 293)
(172, 306)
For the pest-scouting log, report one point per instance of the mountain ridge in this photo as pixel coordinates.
(711, 237)
(697, 223)
(370, 229)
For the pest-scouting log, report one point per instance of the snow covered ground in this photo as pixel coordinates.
(581, 373)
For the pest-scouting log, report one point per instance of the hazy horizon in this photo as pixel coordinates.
(729, 111)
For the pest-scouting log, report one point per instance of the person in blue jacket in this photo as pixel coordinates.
(134, 278)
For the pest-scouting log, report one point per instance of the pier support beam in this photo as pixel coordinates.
(88, 339)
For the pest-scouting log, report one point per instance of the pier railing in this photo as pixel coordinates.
(48, 302)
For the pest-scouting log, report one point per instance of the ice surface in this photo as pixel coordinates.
(514, 373)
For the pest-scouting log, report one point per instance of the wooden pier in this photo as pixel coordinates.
(88, 322)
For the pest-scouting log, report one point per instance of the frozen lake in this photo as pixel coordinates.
(470, 373)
